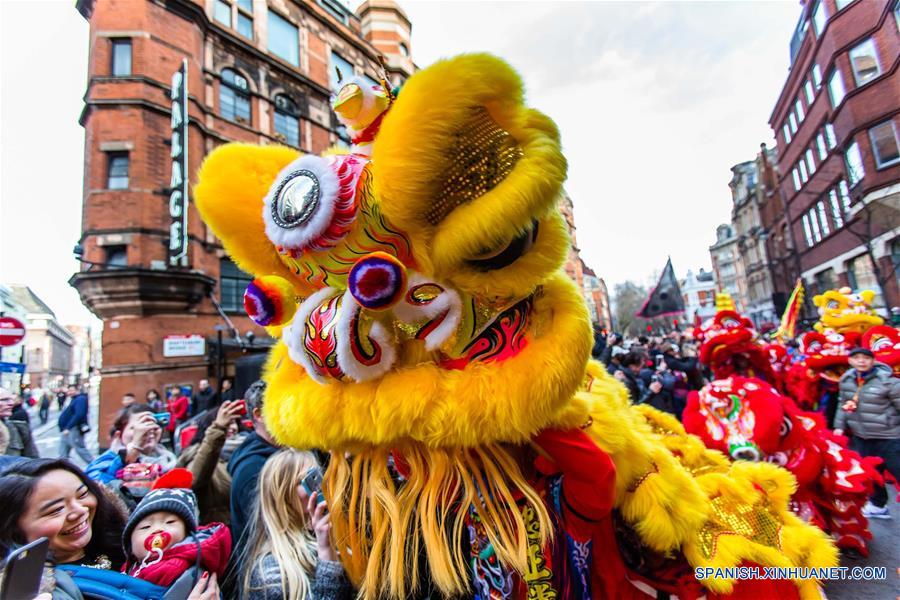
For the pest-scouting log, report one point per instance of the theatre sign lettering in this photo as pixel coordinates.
(178, 188)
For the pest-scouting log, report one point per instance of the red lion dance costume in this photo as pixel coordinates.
(425, 322)
(749, 420)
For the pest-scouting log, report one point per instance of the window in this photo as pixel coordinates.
(823, 218)
(287, 125)
(814, 223)
(787, 134)
(845, 196)
(884, 144)
(819, 18)
(792, 119)
(810, 93)
(246, 5)
(836, 87)
(234, 99)
(798, 106)
(245, 25)
(864, 62)
(861, 275)
(115, 256)
(855, 169)
(807, 233)
(837, 213)
(825, 280)
(404, 51)
(232, 283)
(339, 63)
(284, 40)
(796, 178)
(829, 136)
(222, 13)
(820, 144)
(817, 77)
(117, 171)
(336, 9)
(804, 174)
(840, 4)
(121, 58)
(810, 161)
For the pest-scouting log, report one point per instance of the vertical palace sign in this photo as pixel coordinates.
(178, 188)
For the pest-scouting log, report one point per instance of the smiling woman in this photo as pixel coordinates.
(59, 502)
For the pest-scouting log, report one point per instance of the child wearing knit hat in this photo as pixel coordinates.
(162, 538)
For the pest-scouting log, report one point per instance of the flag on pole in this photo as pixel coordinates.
(788, 326)
(665, 299)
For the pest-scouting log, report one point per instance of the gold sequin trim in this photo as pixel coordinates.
(727, 517)
(481, 156)
(634, 486)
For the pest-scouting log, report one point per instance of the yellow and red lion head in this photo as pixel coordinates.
(729, 344)
(845, 312)
(884, 342)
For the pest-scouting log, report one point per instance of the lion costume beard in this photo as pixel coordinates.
(424, 317)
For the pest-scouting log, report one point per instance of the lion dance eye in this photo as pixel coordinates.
(311, 205)
(786, 426)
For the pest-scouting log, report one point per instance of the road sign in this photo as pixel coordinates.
(12, 331)
(8, 367)
(184, 345)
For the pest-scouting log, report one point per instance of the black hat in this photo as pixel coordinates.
(170, 494)
(861, 350)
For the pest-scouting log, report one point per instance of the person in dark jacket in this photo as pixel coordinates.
(227, 393)
(20, 442)
(629, 375)
(869, 412)
(73, 424)
(204, 398)
(247, 462)
(44, 411)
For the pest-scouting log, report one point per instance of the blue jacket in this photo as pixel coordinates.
(75, 414)
(104, 467)
(244, 467)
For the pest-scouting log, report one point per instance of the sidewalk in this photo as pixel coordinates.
(46, 436)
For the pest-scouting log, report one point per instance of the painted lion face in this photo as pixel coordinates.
(884, 342)
(417, 291)
(843, 311)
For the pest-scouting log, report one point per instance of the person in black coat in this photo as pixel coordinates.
(204, 398)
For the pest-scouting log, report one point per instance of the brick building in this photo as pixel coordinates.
(48, 344)
(255, 71)
(832, 214)
(592, 288)
(728, 269)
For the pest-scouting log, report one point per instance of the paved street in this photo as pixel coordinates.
(884, 551)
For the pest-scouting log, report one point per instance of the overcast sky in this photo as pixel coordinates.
(655, 102)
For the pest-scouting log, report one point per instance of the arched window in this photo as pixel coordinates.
(287, 123)
(234, 97)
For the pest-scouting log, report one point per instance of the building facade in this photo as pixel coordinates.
(747, 194)
(48, 345)
(834, 213)
(592, 288)
(728, 269)
(699, 294)
(168, 82)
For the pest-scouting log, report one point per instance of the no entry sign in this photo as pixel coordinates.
(12, 331)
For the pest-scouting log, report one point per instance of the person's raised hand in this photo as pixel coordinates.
(145, 430)
(655, 387)
(228, 412)
(320, 522)
(206, 589)
(619, 375)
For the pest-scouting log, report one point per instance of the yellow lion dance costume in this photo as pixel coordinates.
(432, 343)
(845, 312)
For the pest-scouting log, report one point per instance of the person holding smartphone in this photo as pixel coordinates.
(135, 437)
(55, 500)
(207, 460)
(289, 552)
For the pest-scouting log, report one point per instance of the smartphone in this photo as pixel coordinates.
(312, 483)
(163, 418)
(23, 569)
(243, 411)
(660, 362)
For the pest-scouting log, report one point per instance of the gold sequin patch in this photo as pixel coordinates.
(754, 523)
(481, 156)
(634, 486)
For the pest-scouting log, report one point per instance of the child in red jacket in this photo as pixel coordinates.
(162, 538)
